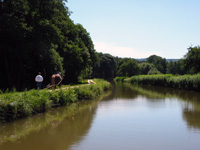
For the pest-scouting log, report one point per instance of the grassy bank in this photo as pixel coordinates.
(187, 82)
(16, 105)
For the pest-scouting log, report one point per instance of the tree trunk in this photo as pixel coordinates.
(7, 68)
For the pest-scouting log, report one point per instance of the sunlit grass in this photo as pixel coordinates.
(187, 82)
(14, 105)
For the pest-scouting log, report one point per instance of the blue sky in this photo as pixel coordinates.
(139, 28)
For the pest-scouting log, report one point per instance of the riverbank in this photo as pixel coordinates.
(24, 104)
(186, 82)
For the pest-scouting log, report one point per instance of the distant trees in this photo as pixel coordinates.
(176, 67)
(128, 67)
(110, 66)
(148, 68)
(106, 67)
(159, 62)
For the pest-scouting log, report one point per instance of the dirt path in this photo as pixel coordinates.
(90, 81)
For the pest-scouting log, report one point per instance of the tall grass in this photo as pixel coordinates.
(16, 105)
(187, 82)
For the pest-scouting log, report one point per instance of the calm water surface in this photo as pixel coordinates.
(129, 118)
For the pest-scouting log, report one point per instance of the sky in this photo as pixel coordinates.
(139, 28)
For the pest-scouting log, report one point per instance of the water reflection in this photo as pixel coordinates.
(192, 118)
(144, 117)
(120, 90)
(157, 95)
(56, 129)
(126, 118)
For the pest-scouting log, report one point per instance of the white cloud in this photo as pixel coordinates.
(119, 51)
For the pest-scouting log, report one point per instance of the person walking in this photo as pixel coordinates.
(39, 80)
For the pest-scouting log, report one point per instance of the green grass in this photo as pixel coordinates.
(187, 82)
(15, 105)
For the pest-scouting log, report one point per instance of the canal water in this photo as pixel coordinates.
(128, 118)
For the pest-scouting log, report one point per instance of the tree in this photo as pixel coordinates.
(181, 67)
(129, 67)
(78, 53)
(192, 60)
(153, 71)
(146, 67)
(106, 67)
(28, 41)
(38, 35)
(176, 67)
(159, 62)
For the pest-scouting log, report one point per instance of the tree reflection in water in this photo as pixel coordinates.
(57, 129)
(191, 105)
(62, 128)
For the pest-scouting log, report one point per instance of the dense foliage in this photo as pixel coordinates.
(127, 67)
(38, 35)
(105, 67)
(148, 68)
(192, 60)
(159, 62)
(176, 67)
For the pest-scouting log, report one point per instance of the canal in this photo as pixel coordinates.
(129, 117)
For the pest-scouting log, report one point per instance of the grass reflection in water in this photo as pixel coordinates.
(191, 110)
(19, 129)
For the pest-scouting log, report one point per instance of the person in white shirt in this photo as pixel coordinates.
(39, 80)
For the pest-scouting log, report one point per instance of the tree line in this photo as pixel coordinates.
(38, 35)
(110, 66)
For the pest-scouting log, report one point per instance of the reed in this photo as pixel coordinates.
(187, 82)
(15, 105)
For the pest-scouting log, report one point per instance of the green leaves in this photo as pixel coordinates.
(192, 60)
(106, 66)
(129, 68)
(38, 35)
(159, 62)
